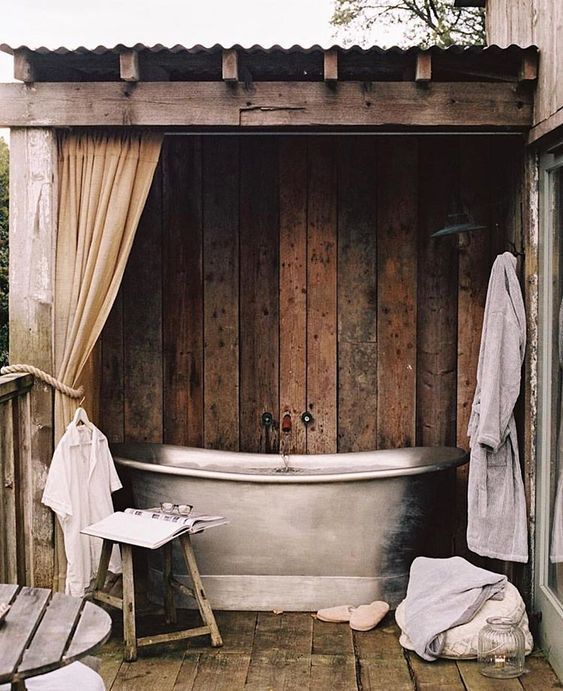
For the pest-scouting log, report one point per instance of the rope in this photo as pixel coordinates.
(47, 378)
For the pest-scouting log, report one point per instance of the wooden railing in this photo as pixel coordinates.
(16, 493)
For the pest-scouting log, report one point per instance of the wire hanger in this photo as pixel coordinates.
(81, 418)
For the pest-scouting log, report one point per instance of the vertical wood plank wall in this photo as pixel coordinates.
(274, 274)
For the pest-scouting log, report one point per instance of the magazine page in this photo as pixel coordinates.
(194, 520)
(124, 527)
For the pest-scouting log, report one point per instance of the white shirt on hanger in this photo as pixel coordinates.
(79, 484)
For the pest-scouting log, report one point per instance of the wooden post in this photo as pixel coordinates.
(33, 222)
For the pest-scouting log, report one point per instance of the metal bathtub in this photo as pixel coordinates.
(337, 529)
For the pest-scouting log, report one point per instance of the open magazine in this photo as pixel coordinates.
(149, 528)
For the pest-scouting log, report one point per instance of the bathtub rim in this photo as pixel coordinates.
(460, 458)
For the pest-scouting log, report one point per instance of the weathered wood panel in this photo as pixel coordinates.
(331, 292)
(357, 293)
(397, 297)
(182, 292)
(221, 292)
(322, 297)
(259, 290)
(269, 104)
(474, 252)
(540, 23)
(293, 286)
(113, 380)
(437, 296)
(142, 305)
(33, 222)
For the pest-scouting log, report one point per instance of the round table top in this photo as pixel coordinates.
(44, 631)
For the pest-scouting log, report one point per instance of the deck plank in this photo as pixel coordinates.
(237, 631)
(381, 642)
(539, 676)
(332, 639)
(188, 672)
(290, 632)
(220, 672)
(441, 675)
(111, 659)
(279, 671)
(335, 672)
(475, 681)
(381, 675)
(157, 670)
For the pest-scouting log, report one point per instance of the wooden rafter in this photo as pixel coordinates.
(528, 68)
(24, 68)
(331, 65)
(230, 65)
(269, 104)
(129, 66)
(423, 66)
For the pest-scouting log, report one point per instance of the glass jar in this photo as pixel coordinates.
(501, 648)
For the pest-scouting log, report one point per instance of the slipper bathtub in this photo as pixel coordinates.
(332, 529)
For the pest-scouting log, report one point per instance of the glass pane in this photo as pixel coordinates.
(556, 474)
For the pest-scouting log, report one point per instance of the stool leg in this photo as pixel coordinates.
(129, 630)
(103, 565)
(169, 606)
(199, 592)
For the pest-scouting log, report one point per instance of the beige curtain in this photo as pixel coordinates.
(104, 180)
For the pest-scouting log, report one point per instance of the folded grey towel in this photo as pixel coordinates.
(441, 594)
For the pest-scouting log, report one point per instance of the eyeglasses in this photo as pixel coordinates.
(182, 509)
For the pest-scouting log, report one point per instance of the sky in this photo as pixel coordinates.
(71, 23)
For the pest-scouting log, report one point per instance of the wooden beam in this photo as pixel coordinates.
(423, 71)
(331, 65)
(230, 65)
(129, 66)
(24, 69)
(270, 104)
(33, 223)
(528, 68)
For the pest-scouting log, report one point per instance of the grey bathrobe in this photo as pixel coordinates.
(496, 522)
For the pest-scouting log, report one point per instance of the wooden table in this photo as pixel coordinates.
(44, 631)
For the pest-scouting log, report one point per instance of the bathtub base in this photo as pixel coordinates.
(288, 593)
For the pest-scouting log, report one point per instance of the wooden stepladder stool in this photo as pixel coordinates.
(127, 602)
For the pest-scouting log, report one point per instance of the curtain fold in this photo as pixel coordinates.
(104, 180)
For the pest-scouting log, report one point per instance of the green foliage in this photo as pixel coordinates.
(4, 196)
(422, 22)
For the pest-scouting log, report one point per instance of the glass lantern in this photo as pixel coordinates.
(501, 648)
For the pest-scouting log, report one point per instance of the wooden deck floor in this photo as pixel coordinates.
(293, 651)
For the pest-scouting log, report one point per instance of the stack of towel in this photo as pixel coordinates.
(450, 599)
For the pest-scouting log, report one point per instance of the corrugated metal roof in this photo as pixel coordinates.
(198, 48)
(274, 63)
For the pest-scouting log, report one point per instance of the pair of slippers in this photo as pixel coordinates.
(362, 618)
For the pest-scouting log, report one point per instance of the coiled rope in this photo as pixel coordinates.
(47, 378)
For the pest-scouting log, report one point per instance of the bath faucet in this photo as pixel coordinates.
(286, 423)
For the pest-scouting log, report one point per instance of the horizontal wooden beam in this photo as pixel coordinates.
(129, 66)
(230, 65)
(268, 104)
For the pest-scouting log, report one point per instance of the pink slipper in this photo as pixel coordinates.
(367, 617)
(336, 614)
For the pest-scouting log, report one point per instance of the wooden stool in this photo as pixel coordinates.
(127, 603)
